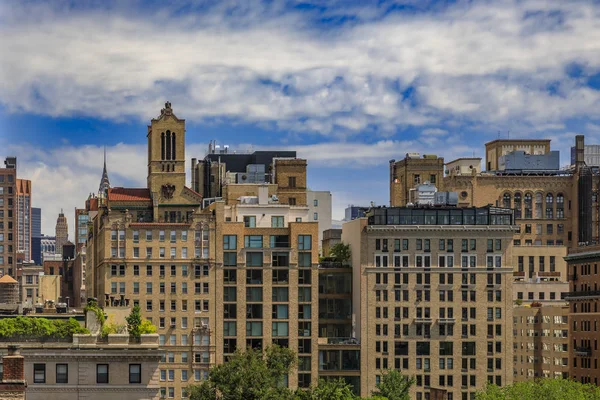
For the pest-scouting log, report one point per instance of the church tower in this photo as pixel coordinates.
(166, 155)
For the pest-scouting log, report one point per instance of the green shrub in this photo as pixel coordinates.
(32, 327)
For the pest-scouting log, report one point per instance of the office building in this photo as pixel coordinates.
(23, 188)
(62, 232)
(8, 217)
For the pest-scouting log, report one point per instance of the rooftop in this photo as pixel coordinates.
(440, 216)
(7, 279)
(129, 194)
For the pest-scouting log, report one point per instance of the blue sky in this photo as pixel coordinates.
(349, 85)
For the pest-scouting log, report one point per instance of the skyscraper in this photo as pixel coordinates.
(8, 178)
(62, 232)
(24, 218)
(36, 235)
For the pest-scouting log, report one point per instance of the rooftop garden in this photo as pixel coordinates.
(34, 328)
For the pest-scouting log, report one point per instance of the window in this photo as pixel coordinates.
(39, 373)
(101, 373)
(316, 203)
(253, 241)
(315, 216)
(229, 242)
(135, 373)
(250, 221)
(304, 242)
(277, 222)
(292, 181)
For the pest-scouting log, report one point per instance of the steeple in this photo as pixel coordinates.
(104, 182)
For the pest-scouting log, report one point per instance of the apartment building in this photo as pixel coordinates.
(83, 368)
(432, 289)
(541, 347)
(584, 297)
(242, 271)
(8, 217)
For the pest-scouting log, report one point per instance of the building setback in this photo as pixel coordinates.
(424, 281)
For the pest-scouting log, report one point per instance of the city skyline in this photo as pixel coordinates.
(348, 86)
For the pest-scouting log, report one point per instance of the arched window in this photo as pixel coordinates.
(549, 206)
(506, 200)
(162, 146)
(518, 205)
(168, 146)
(173, 147)
(528, 205)
(539, 204)
(560, 205)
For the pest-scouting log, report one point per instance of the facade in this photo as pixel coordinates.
(13, 384)
(412, 171)
(23, 188)
(62, 232)
(86, 369)
(424, 281)
(8, 217)
(352, 212)
(464, 166)
(81, 226)
(36, 222)
(319, 210)
(591, 155)
(29, 280)
(240, 272)
(221, 167)
(496, 149)
(584, 297)
(48, 246)
(541, 347)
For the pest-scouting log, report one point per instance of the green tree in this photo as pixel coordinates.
(134, 321)
(551, 389)
(328, 389)
(394, 386)
(341, 252)
(248, 375)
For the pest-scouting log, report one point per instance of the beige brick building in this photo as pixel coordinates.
(431, 297)
(240, 272)
(541, 347)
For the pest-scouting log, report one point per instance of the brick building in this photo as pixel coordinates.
(432, 289)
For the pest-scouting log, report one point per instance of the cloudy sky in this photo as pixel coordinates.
(349, 85)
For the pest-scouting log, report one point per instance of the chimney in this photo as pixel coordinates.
(14, 366)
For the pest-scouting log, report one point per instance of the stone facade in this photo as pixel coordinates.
(62, 232)
(75, 370)
(8, 217)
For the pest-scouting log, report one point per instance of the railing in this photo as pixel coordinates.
(334, 264)
(583, 351)
(33, 339)
(584, 294)
(342, 340)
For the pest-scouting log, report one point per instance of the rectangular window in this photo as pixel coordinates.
(277, 222)
(250, 221)
(39, 373)
(304, 242)
(253, 241)
(135, 373)
(101, 373)
(229, 242)
(254, 259)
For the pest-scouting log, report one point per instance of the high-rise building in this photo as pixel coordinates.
(319, 203)
(242, 271)
(584, 298)
(62, 232)
(432, 291)
(36, 235)
(24, 218)
(8, 217)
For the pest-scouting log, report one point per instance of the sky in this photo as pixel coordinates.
(347, 84)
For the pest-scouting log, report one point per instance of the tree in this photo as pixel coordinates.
(248, 375)
(328, 389)
(555, 389)
(394, 386)
(341, 252)
(134, 321)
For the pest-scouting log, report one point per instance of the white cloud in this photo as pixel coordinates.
(486, 62)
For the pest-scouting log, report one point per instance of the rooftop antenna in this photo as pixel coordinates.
(508, 133)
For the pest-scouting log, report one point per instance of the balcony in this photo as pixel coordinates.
(590, 293)
(334, 264)
(583, 351)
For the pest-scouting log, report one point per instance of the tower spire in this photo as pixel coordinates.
(104, 182)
